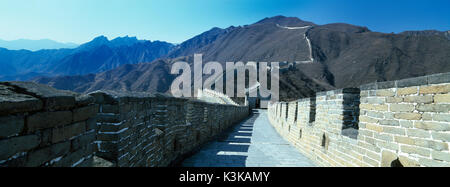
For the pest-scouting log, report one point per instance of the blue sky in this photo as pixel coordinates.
(177, 20)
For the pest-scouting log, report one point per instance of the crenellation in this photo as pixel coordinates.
(404, 122)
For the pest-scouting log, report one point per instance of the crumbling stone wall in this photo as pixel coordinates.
(398, 123)
(42, 126)
(143, 130)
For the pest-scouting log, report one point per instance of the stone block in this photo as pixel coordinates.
(11, 146)
(84, 113)
(441, 136)
(418, 133)
(439, 155)
(441, 117)
(435, 126)
(419, 99)
(401, 107)
(443, 108)
(408, 116)
(43, 120)
(38, 157)
(434, 89)
(442, 98)
(438, 146)
(11, 126)
(12, 102)
(69, 131)
(407, 91)
(387, 157)
(415, 150)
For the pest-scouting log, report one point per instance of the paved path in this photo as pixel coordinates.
(253, 143)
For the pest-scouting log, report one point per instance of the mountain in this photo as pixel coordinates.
(35, 45)
(322, 57)
(96, 56)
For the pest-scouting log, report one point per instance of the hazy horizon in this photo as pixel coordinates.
(174, 21)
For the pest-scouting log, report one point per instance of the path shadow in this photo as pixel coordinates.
(230, 149)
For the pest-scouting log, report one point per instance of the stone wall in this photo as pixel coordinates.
(42, 126)
(398, 123)
(142, 130)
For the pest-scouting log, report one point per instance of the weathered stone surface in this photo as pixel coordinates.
(387, 157)
(439, 78)
(66, 132)
(416, 81)
(408, 116)
(84, 113)
(100, 162)
(11, 125)
(11, 146)
(407, 91)
(434, 89)
(401, 107)
(40, 156)
(43, 120)
(12, 102)
(444, 108)
(419, 99)
(53, 99)
(435, 126)
(442, 98)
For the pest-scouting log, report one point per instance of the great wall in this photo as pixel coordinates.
(397, 123)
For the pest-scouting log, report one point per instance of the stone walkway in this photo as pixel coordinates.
(253, 143)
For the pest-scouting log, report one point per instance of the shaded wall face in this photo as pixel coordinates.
(158, 131)
(400, 123)
(42, 126)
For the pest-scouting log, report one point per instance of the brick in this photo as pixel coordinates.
(408, 116)
(441, 117)
(435, 126)
(11, 146)
(418, 133)
(404, 140)
(45, 120)
(387, 92)
(84, 113)
(67, 132)
(427, 116)
(415, 150)
(438, 146)
(389, 122)
(83, 140)
(444, 108)
(393, 130)
(110, 109)
(40, 156)
(385, 137)
(374, 127)
(441, 136)
(435, 89)
(442, 98)
(11, 125)
(367, 119)
(439, 155)
(407, 91)
(419, 99)
(406, 124)
(394, 99)
(380, 107)
(439, 78)
(433, 163)
(401, 107)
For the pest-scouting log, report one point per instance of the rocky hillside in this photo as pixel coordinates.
(324, 57)
(96, 56)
